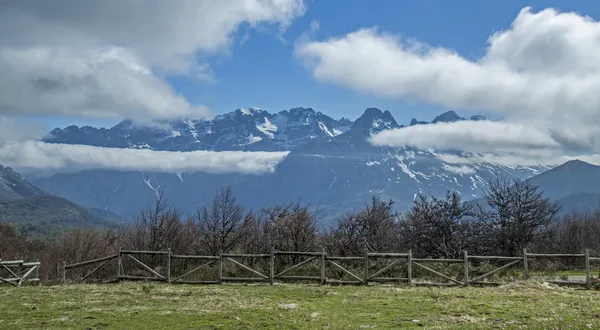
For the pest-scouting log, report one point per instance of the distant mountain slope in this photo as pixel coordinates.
(573, 185)
(37, 213)
(572, 177)
(579, 203)
(13, 186)
(331, 164)
(48, 216)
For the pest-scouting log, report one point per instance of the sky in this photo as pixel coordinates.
(531, 64)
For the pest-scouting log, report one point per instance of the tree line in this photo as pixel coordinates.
(510, 216)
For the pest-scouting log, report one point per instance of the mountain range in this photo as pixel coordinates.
(330, 164)
(38, 213)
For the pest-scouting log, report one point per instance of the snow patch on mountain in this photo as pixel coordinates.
(267, 128)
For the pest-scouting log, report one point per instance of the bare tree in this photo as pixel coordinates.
(374, 228)
(443, 227)
(157, 228)
(221, 226)
(292, 227)
(519, 214)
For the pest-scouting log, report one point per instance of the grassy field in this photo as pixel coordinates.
(161, 306)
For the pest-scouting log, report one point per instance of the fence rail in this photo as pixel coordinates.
(372, 268)
(18, 271)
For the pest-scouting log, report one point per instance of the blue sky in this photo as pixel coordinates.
(262, 71)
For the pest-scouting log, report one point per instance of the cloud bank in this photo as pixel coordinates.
(36, 157)
(541, 75)
(109, 58)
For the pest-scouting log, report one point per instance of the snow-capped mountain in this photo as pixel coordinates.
(243, 129)
(331, 163)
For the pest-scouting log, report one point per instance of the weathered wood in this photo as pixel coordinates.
(9, 270)
(64, 272)
(248, 268)
(144, 252)
(466, 267)
(95, 270)
(11, 262)
(494, 258)
(179, 256)
(388, 255)
(148, 268)
(323, 256)
(244, 279)
(409, 267)
(436, 272)
(366, 274)
(556, 255)
(438, 260)
(344, 258)
(525, 265)
(594, 258)
(299, 278)
(495, 270)
(89, 262)
(300, 264)
(168, 265)
(119, 263)
(345, 270)
(194, 270)
(272, 266)
(7, 281)
(220, 271)
(588, 280)
(386, 268)
(298, 253)
(232, 255)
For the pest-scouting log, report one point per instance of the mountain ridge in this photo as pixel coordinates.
(330, 163)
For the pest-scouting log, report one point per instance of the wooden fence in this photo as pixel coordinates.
(371, 268)
(18, 271)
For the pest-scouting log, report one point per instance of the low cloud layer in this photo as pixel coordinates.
(110, 58)
(471, 136)
(541, 73)
(40, 157)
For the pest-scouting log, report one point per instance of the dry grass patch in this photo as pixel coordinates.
(156, 306)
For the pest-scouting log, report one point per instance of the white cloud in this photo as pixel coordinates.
(109, 58)
(541, 72)
(462, 169)
(40, 157)
(471, 136)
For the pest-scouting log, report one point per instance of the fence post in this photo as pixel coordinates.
(466, 267)
(64, 272)
(220, 274)
(588, 281)
(119, 263)
(37, 273)
(409, 267)
(58, 271)
(323, 267)
(272, 266)
(168, 265)
(366, 280)
(525, 265)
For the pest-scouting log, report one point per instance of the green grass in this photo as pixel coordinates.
(162, 306)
